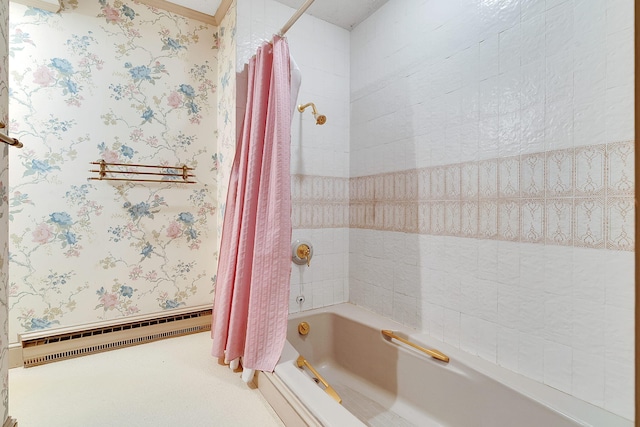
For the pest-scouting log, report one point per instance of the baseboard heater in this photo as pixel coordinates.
(54, 345)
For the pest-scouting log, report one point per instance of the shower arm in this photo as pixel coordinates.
(320, 118)
(301, 108)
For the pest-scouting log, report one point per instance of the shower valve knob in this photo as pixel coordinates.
(302, 251)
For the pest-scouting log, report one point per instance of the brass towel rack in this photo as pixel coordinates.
(301, 362)
(8, 140)
(433, 353)
(169, 171)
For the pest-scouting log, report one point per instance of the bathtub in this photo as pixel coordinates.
(384, 382)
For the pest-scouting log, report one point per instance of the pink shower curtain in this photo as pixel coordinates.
(252, 291)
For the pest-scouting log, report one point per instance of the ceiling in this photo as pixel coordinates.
(345, 14)
(208, 7)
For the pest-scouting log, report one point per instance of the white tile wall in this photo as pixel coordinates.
(523, 80)
(529, 93)
(321, 51)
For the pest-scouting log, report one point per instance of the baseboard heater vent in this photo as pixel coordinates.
(55, 345)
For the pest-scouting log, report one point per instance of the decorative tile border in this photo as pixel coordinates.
(319, 201)
(580, 197)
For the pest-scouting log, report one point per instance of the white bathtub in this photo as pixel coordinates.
(386, 383)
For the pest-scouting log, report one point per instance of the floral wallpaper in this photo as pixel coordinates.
(226, 107)
(130, 84)
(4, 215)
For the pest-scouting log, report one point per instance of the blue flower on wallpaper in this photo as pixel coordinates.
(63, 125)
(17, 198)
(56, 279)
(69, 86)
(193, 234)
(172, 44)
(147, 115)
(138, 210)
(20, 37)
(141, 72)
(225, 80)
(183, 139)
(79, 42)
(186, 217)
(62, 65)
(61, 218)
(77, 192)
(118, 91)
(42, 323)
(170, 303)
(34, 11)
(193, 107)
(39, 166)
(117, 233)
(127, 65)
(127, 151)
(128, 12)
(126, 291)
(147, 250)
(70, 237)
(187, 90)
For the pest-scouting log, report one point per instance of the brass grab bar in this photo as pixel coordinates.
(433, 353)
(301, 362)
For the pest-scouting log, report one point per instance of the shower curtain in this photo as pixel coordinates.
(252, 291)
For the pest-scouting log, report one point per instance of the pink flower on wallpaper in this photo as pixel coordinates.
(110, 156)
(133, 33)
(135, 272)
(109, 301)
(112, 15)
(43, 76)
(72, 253)
(136, 134)
(174, 230)
(132, 310)
(42, 234)
(174, 100)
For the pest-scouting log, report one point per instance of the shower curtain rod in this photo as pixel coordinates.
(295, 17)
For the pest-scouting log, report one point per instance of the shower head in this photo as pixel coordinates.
(320, 118)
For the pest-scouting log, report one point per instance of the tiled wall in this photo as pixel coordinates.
(487, 165)
(319, 154)
(491, 183)
(573, 197)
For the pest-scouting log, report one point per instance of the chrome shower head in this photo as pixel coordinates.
(320, 118)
